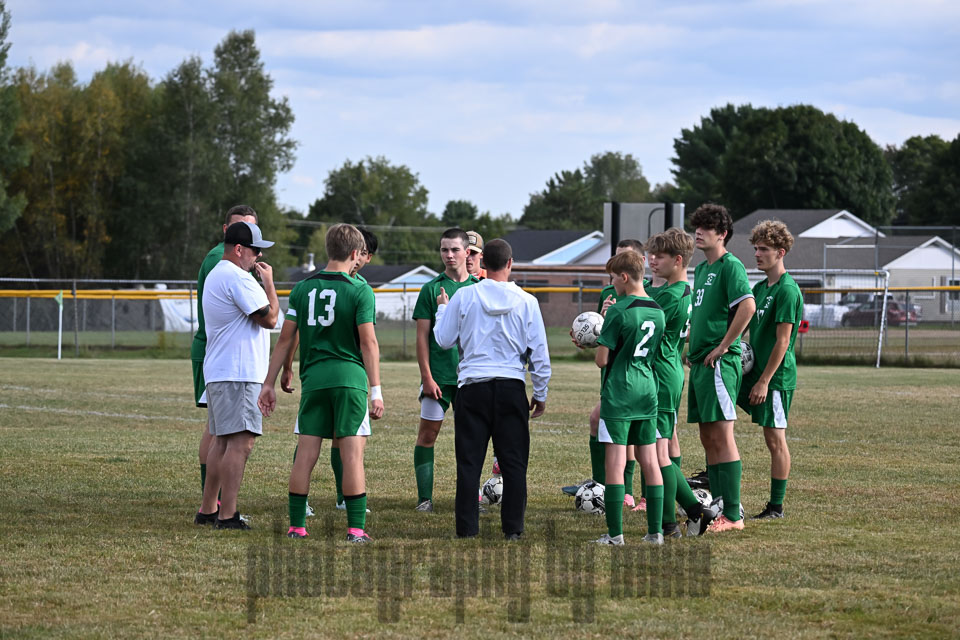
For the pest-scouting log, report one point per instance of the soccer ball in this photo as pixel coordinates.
(493, 490)
(702, 495)
(746, 357)
(586, 328)
(718, 505)
(590, 498)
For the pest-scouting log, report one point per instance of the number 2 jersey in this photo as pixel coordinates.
(328, 307)
(632, 330)
(676, 300)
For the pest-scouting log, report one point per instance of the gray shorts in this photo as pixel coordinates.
(232, 408)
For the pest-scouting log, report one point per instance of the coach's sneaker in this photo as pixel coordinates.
(425, 506)
(297, 532)
(236, 522)
(671, 530)
(616, 541)
(342, 506)
(699, 480)
(698, 522)
(206, 518)
(653, 538)
(571, 490)
(641, 505)
(770, 512)
(723, 523)
(357, 536)
(628, 501)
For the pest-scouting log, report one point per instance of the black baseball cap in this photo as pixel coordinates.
(246, 234)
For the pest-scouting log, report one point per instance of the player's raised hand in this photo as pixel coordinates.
(537, 407)
(376, 409)
(609, 302)
(267, 400)
(286, 377)
(443, 298)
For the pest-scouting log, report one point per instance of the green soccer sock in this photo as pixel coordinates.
(298, 509)
(203, 477)
(685, 496)
(730, 473)
(613, 498)
(643, 485)
(628, 476)
(713, 477)
(597, 460)
(356, 511)
(669, 494)
(655, 508)
(337, 465)
(423, 468)
(676, 460)
(778, 489)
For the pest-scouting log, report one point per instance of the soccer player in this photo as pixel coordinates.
(669, 255)
(768, 389)
(438, 366)
(339, 354)
(239, 213)
(722, 307)
(238, 313)
(628, 347)
(608, 297)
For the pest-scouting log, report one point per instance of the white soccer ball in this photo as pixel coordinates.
(746, 356)
(590, 498)
(702, 495)
(586, 328)
(493, 490)
(718, 505)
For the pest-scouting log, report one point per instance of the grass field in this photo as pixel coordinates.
(99, 485)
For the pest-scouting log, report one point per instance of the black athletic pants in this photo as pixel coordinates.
(498, 409)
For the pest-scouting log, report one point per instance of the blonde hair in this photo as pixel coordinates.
(343, 239)
(773, 234)
(673, 242)
(628, 262)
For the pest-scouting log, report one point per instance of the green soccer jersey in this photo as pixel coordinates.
(198, 347)
(717, 289)
(676, 300)
(776, 304)
(443, 362)
(632, 330)
(328, 307)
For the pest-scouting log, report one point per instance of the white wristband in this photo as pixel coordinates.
(376, 393)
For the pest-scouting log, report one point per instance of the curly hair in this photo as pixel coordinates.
(715, 217)
(773, 234)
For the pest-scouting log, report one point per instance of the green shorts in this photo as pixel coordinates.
(431, 411)
(199, 386)
(713, 390)
(772, 412)
(340, 412)
(666, 423)
(628, 432)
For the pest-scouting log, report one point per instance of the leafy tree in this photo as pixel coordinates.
(614, 176)
(912, 164)
(464, 214)
(12, 155)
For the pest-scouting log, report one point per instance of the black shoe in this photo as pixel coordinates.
(233, 523)
(671, 530)
(697, 526)
(206, 518)
(699, 480)
(513, 536)
(770, 512)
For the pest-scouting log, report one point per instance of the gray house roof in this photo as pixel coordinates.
(797, 220)
(530, 244)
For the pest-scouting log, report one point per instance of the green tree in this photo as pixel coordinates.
(912, 164)
(614, 176)
(567, 202)
(13, 155)
(464, 214)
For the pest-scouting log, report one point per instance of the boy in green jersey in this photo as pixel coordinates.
(198, 348)
(334, 316)
(628, 346)
(722, 307)
(608, 297)
(767, 390)
(669, 255)
(438, 367)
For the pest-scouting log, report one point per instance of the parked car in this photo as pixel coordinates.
(868, 314)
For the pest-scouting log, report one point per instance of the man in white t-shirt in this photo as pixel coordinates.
(238, 312)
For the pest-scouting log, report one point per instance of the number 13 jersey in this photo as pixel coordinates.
(328, 307)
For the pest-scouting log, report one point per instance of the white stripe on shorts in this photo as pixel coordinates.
(602, 434)
(779, 417)
(726, 403)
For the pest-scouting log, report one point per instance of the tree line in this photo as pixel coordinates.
(127, 177)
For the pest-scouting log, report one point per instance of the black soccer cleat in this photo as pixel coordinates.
(206, 518)
(770, 512)
(236, 522)
(671, 530)
(699, 480)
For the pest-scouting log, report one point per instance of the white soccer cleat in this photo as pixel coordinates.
(616, 541)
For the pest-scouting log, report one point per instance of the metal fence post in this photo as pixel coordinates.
(113, 322)
(580, 296)
(906, 332)
(28, 321)
(190, 300)
(76, 323)
(403, 324)
(14, 315)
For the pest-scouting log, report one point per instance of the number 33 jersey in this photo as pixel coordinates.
(632, 330)
(328, 307)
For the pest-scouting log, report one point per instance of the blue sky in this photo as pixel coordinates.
(486, 100)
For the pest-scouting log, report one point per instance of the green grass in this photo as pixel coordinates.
(99, 482)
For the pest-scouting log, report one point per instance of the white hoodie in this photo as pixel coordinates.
(500, 332)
